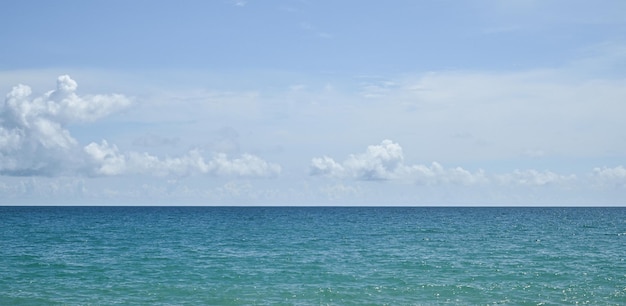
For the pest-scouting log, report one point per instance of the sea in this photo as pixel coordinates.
(312, 255)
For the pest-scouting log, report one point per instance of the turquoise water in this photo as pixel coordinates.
(312, 256)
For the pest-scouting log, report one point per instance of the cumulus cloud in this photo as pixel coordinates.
(62, 105)
(382, 161)
(379, 162)
(35, 141)
(386, 162)
(107, 160)
(326, 166)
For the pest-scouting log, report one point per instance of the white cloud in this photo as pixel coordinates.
(33, 130)
(62, 105)
(386, 162)
(379, 162)
(382, 161)
(107, 160)
(326, 166)
(437, 174)
(527, 119)
(34, 140)
(246, 165)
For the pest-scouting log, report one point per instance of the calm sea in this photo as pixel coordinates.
(312, 255)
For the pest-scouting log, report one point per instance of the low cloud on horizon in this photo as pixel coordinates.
(386, 162)
(35, 141)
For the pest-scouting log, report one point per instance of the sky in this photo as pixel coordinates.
(295, 102)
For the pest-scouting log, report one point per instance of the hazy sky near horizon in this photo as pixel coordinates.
(299, 102)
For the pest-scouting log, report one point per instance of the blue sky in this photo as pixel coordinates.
(313, 102)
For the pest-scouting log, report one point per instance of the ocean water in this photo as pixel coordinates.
(312, 256)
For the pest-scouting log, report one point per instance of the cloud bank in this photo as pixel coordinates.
(386, 162)
(35, 140)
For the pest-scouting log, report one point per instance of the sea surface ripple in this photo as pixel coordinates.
(312, 256)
